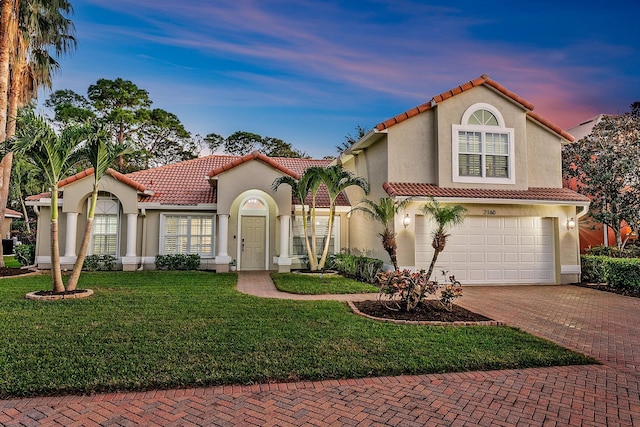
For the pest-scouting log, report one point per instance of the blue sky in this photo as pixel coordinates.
(308, 72)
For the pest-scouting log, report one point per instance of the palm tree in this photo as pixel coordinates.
(100, 153)
(28, 29)
(337, 179)
(445, 217)
(384, 212)
(309, 182)
(53, 155)
(41, 27)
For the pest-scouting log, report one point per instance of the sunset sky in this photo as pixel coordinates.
(308, 72)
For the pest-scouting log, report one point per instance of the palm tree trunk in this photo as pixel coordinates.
(389, 245)
(313, 262)
(325, 251)
(436, 253)
(72, 283)
(14, 96)
(5, 175)
(25, 213)
(9, 19)
(56, 272)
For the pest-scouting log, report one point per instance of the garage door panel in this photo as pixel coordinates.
(493, 250)
(494, 257)
(510, 240)
(510, 257)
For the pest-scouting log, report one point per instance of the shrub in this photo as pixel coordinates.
(99, 263)
(178, 262)
(623, 273)
(594, 268)
(25, 254)
(357, 267)
(630, 251)
(619, 273)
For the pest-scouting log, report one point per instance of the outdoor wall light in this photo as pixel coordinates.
(406, 221)
(571, 223)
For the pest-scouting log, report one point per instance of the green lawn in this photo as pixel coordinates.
(11, 262)
(145, 330)
(315, 285)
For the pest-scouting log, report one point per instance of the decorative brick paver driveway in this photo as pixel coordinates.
(600, 324)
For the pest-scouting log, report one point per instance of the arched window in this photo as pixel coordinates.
(482, 147)
(104, 232)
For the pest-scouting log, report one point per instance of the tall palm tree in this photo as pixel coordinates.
(384, 212)
(28, 29)
(53, 155)
(445, 217)
(42, 26)
(100, 153)
(337, 179)
(301, 188)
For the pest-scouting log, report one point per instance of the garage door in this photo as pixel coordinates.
(486, 250)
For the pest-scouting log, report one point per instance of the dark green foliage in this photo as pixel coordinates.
(163, 329)
(360, 268)
(623, 273)
(593, 268)
(619, 273)
(629, 251)
(178, 262)
(240, 143)
(99, 263)
(25, 254)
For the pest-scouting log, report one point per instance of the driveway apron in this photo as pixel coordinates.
(600, 324)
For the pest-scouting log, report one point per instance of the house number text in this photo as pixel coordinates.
(489, 211)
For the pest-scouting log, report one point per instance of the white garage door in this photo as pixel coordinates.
(492, 250)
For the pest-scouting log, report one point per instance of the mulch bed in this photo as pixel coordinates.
(6, 271)
(429, 311)
(52, 293)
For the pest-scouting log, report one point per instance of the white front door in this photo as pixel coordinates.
(252, 243)
(491, 249)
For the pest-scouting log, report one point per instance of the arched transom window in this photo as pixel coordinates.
(483, 148)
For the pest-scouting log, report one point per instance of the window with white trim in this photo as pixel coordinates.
(482, 147)
(187, 234)
(298, 246)
(104, 232)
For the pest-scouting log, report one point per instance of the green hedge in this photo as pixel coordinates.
(357, 267)
(178, 262)
(619, 273)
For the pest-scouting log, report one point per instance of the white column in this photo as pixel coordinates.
(132, 233)
(70, 236)
(284, 235)
(223, 257)
(284, 261)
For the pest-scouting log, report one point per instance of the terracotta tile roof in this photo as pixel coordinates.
(256, 155)
(406, 189)
(482, 80)
(13, 214)
(185, 183)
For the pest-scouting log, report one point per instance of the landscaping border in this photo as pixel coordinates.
(425, 322)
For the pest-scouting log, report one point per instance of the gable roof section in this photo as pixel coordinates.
(406, 189)
(482, 80)
(253, 156)
(88, 172)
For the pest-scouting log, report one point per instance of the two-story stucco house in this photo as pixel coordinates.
(478, 145)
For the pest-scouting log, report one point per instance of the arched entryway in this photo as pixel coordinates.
(253, 232)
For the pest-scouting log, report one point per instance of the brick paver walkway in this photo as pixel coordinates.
(600, 324)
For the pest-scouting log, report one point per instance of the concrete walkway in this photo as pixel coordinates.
(603, 325)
